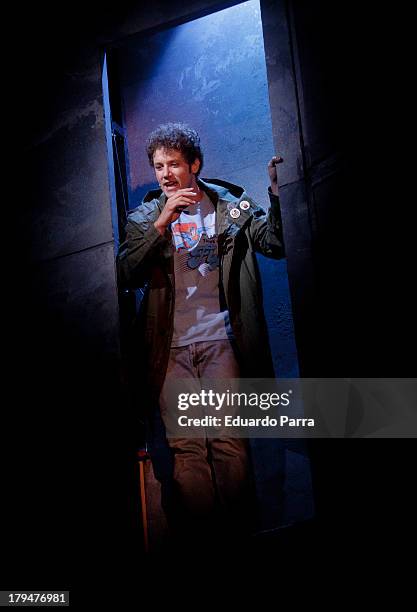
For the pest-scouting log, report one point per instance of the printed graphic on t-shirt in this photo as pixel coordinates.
(186, 235)
(202, 257)
(195, 241)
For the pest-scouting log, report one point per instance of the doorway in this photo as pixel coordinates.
(210, 72)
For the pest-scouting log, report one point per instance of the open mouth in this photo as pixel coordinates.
(170, 184)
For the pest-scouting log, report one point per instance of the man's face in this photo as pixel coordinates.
(172, 170)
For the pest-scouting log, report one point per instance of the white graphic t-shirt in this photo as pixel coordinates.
(197, 307)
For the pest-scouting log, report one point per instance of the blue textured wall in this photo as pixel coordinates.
(211, 73)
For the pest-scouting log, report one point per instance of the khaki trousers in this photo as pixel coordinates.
(212, 476)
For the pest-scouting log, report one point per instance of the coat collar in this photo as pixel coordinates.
(225, 197)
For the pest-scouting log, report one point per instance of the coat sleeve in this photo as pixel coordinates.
(266, 229)
(138, 251)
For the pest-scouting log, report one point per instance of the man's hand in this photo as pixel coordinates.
(174, 206)
(273, 175)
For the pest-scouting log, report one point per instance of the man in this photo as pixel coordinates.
(193, 244)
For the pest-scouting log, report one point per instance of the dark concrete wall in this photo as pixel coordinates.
(298, 220)
(350, 66)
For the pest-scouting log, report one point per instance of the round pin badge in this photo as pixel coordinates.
(235, 213)
(244, 205)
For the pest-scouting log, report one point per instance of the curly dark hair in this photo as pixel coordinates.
(177, 136)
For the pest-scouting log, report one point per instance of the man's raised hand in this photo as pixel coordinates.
(174, 206)
(273, 174)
